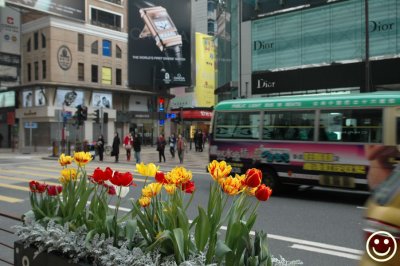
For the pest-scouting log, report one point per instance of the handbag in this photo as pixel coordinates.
(128, 146)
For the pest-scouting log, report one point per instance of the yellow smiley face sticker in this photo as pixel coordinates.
(381, 246)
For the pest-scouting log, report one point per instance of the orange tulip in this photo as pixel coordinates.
(144, 201)
(219, 170)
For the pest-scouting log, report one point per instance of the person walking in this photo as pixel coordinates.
(137, 147)
(115, 146)
(161, 147)
(100, 147)
(172, 143)
(180, 146)
(128, 142)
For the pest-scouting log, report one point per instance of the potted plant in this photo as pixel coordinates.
(72, 224)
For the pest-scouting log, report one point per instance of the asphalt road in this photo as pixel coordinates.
(318, 227)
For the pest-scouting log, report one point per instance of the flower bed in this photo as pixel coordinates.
(157, 230)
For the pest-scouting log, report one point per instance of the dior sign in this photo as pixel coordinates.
(261, 83)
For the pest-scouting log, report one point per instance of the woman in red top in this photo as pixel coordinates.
(128, 143)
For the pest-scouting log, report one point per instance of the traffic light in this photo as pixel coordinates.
(105, 117)
(161, 102)
(84, 113)
(78, 116)
(97, 116)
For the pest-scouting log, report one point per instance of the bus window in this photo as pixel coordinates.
(235, 125)
(351, 125)
(287, 125)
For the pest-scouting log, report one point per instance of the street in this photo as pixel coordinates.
(316, 226)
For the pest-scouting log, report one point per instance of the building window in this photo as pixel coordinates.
(43, 40)
(118, 76)
(36, 66)
(81, 42)
(28, 45)
(81, 72)
(118, 52)
(106, 76)
(44, 69)
(95, 47)
(107, 48)
(95, 73)
(105, 19)
(29, 70)
(36, 40)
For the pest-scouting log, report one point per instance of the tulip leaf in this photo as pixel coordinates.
(202, 230)
(179, 244)
(221, 249)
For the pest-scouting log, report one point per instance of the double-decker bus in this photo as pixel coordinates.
(321, 140)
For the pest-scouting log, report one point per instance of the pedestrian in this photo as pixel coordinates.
(115, 146)
(100, 147)
(198, 141)
(128, 142)
(161, 147)
(137, 147)
(172, 143)
(180, 146)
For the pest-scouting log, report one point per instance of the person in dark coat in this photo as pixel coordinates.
(100, 147)
(161, 147)
(115, 146)
(137, 147)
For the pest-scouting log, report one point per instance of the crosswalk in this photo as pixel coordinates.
(14, 179)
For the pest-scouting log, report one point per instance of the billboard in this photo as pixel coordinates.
(100, 99)
(10, 21)
(205, 70)
(159, 43)
(70, 98)
(72, 9)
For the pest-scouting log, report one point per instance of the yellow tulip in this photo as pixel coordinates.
(178, 175)
(231, 185)
(151, 190)
(144, 201)
(68, 174)
(82, 158)
(65, 160)
(219, 170)
(170, 188)
(147, 170)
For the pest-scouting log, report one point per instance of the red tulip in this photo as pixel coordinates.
(110, 189)
(35, 186)
(100, 176)
(188, 187)
(160, 177)
(120, 179)
(253, 177)
(54, 190)
(263, 193)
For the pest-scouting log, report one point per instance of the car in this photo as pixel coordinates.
(382, 223)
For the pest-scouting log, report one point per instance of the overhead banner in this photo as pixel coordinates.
(72, 9)
(159, 43)
(10, 22)
(205, 70)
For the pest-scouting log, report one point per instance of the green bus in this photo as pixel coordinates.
(336, 140)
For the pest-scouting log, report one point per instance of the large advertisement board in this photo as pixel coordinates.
(205, 70)
(72, 9)
(159, 43)
(10, 21)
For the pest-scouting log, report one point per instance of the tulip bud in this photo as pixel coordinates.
(263, 193)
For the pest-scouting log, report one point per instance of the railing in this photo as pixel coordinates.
(8, 247)
(105, 25)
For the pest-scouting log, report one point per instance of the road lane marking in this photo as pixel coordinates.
(14, 187)
(25, 180)
(361, 207)
(10, 199)
(325, 251)
(27, 173)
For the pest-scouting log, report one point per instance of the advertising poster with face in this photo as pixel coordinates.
(40, 97)
(102, 100)
(27, 98)
(69, 98)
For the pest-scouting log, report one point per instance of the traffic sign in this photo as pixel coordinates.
(31, 125)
